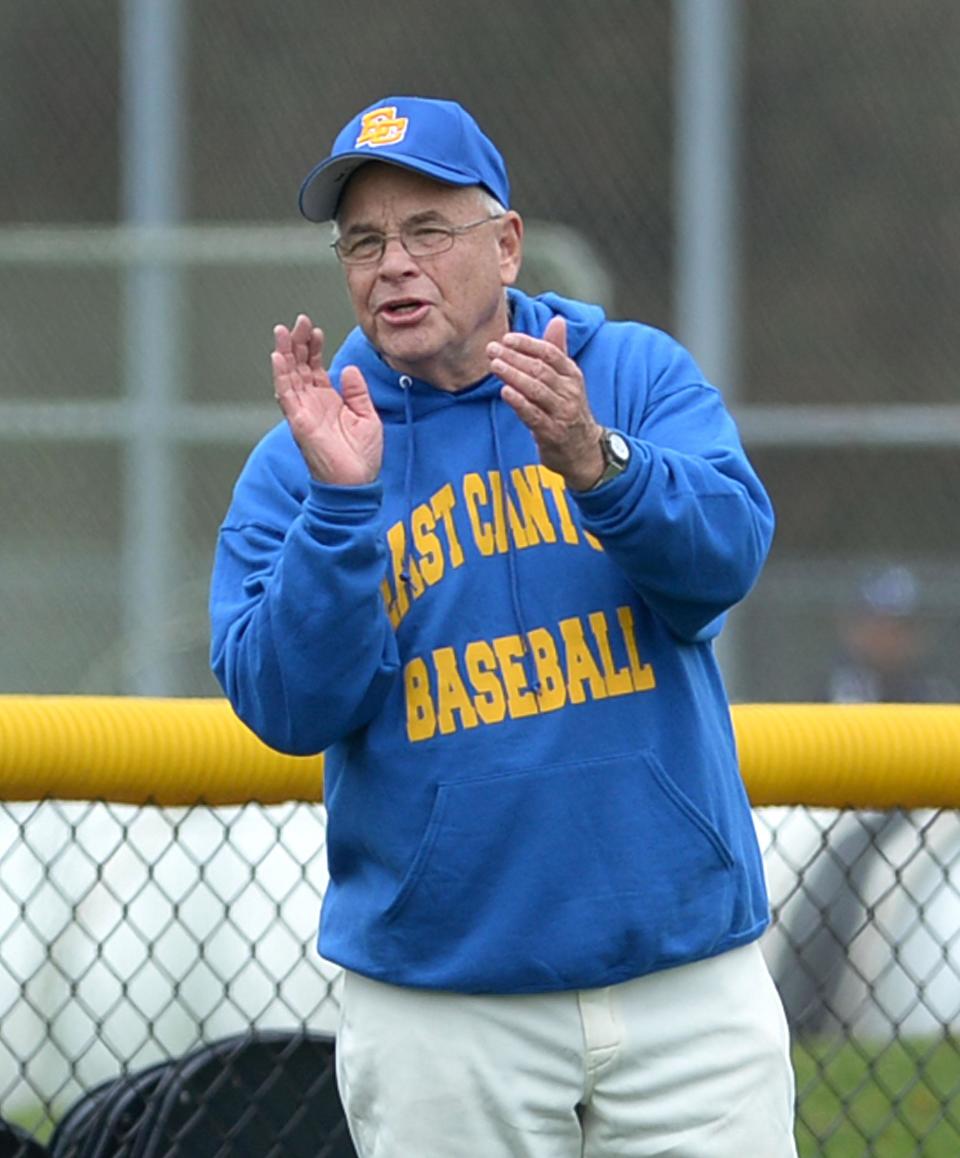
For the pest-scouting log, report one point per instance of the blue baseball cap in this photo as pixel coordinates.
(892, 591)
(437, 138)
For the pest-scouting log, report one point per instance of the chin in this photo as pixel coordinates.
(407, 355)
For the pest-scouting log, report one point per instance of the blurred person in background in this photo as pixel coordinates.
(884, 657)
(481, 565)
(885, 654)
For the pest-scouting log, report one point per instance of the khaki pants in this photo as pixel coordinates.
(688, 1063)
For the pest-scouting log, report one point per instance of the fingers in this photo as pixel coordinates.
(296, 361)
(512, 366)
(532, 416)
(302, 329)
(286, 381)
(284, 362)
(537, 369)
(300, 337)
(556, 333)
(355, 392)
(282, 342)
(303, 343)
(546, 390)
(315, 349)
(524, 361)
(550, 349)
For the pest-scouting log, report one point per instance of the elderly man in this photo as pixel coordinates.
(481, 565)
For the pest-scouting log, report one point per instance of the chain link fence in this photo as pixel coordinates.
(864, 948)
(132, 935)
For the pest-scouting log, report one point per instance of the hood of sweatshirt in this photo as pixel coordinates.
(399, 397)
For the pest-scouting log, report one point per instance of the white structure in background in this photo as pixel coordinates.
(868, 930)
(128, 934)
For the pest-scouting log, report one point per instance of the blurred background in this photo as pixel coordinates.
(774, 183)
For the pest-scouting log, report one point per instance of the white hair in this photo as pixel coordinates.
(490, 203)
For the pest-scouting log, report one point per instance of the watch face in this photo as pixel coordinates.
(619, 447)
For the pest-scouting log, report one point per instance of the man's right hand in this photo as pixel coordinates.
(340, 435)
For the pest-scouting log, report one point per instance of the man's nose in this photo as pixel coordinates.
(395, 257)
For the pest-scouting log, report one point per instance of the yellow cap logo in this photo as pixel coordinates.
(382, 127)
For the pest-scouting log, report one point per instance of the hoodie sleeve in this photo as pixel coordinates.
(301, 643)
(688, 521)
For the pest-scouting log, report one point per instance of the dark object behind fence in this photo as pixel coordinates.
(16, 1143)
(267, 1094)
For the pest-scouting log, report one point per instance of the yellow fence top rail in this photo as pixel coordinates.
(186, 751)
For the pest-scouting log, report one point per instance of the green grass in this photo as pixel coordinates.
(855, 1099)
(35, 1120)
(894, 1099)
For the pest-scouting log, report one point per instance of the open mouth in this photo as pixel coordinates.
(403, 310)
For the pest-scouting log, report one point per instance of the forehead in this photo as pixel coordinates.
(379, 193)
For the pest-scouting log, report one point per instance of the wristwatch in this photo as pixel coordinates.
(616, 455)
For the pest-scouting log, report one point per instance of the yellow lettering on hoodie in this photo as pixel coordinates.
(619, 681)
(475, 495)
(421, 715)
(552, 693)
(442, 504)
(581, 666)
(452, 695)
(488, 681)
(536, 523)
(499, 515)
(643, 677)
(427, 544)
(558, 488)
(489, 701)
(397, 542)
(518, 531)
(520, 699)
(491, 537)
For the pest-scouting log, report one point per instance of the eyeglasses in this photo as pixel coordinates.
(419, 240)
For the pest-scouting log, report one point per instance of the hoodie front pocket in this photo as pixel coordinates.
(572, 866)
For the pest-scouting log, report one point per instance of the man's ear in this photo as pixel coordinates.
(511, 246)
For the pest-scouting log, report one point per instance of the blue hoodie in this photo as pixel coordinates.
(530, 770)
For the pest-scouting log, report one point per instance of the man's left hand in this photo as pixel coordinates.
(545, 388)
